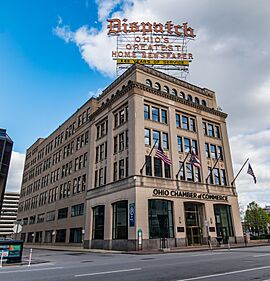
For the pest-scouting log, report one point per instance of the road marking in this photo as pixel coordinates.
(34, 269)
(107, 272)
(225, 273)
(262, 255)
(208, 254)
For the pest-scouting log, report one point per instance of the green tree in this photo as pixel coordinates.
(256, 219)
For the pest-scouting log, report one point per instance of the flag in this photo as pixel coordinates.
(250, 172)
(160, 154)
(194, 160)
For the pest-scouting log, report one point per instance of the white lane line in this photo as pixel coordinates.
(262, 255)
(208, 254)
(34, 269)
(107, 272)
(225, 273)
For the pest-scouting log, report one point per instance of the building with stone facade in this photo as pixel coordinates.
(129, 198)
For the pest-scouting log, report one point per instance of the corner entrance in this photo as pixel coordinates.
(194, 219)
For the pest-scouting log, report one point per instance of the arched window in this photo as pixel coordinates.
(148, 83)
(174, 92)
(182, 95)
(166, 89)
(196, 101)
(203, 103)
(189, 98)
(112, 96)
(157, 86)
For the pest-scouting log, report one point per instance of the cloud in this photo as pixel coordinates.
(231, 56)
(15, 172)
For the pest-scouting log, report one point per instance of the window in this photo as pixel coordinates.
(189, 169)
(213, 151)
(40, 218)
(155, 114)
(50, 216)
(189, 98)
(210, 130)
(165, 141)
(147, 139)
(207, 152)
(182, 95)
(192, 124)
(77, 210)
(121, 116)
(223, 220)
(127, 171)
(115, 120)
(148, 83)
(157, 86)
(156, 138)
(60, 236)
(182, 170)
(75, 235)
(195, 146)
(167, 169)
(179, 144)
(216, 176)
(115, 144)
(219, 153)
(157, 167)
(217, 132)
(204, 128)
(146, 111)
(101, 177)
(121, 142)
(160, 219)
(126, 138)
(185, 122)
(48, 236)
(115, 171)
(210, 174)
(120, 220)
(63, 213)
(148, 165)
(204, 103)
(187, 147)
(196, 101)
(166, 89)
(174, 92)
(98, 222)
(177, 120)
(197, 174)
(121, 169)
(223, 177)
(164, 116)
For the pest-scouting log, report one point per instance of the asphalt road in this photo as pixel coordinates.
(236, 264)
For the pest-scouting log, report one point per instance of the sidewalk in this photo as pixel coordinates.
(252, 243)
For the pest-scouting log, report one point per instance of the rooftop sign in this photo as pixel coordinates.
(161, 45)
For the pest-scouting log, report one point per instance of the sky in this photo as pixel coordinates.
(54, 55)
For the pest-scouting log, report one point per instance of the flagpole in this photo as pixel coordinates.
(206, 180)
(141, 170)
(181, 166)
(239, 172)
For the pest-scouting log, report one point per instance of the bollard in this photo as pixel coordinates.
(30, 257)
(1, 262)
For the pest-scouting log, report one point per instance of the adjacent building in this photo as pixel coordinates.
(6, 145)
(8, 214)
(97, 179)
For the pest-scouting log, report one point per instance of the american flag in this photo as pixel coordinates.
(160, 154)
(250, 172)
(194, 160)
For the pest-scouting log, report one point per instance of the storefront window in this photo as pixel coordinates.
(160, 219)
(223, 220)
(98, 222)
(75, 235)
(120, 220)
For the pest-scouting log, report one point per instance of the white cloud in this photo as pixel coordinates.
(15, 172)
(231, 56)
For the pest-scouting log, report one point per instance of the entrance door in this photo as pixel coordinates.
(194, 215)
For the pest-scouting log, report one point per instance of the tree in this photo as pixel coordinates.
(256, 219)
